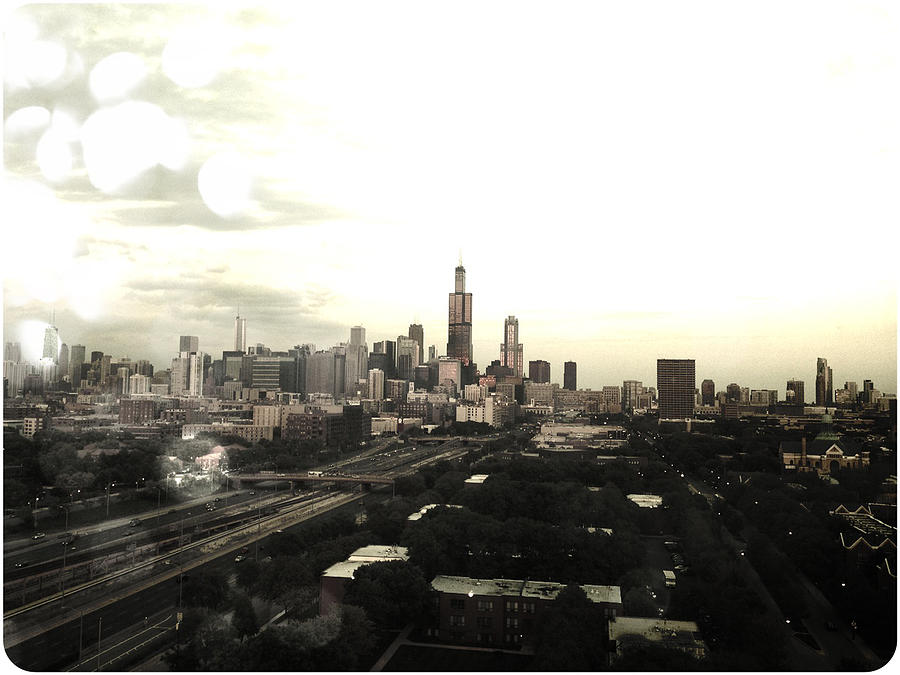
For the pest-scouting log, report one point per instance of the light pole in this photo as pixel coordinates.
(158, 495)
(62, 575)
(99, 633)
(34, 511)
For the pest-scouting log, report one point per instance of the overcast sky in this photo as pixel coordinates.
(632, 180)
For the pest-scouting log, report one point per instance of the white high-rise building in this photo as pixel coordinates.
(240, 334)
(51, 344)
(138, 384)
(195, 374)
(376, 384)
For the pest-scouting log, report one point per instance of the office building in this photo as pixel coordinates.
(189, 344)
(459, 329)
(51, 344)
(570, 376)
(240, 334)
(407, 357)
(76, 359)
(794, 394)
(12, 351)
(450, 374)
(417, 333)
(708, 392)
(376, 384)
(389, 348)
(675, 382)
(824, 386)
(733, 392)
(511, 352)
(539, 371)
(631, 390)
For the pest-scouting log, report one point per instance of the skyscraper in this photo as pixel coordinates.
(189, 344)
(76, 359)
(631, 389)
(51, 344)
(539, 371)
(459, 329)
(407, 357)
(570, 376)
(794, 394)
(675, 380)
(708, 392)
(376, 384)
(824, 388)
(240, 334)
(63, 360)
(417, 333)
(510, 350)
(12, 351)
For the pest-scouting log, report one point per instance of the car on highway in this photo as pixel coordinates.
(252, 492)
(134, 522)
(240, 558)
(39, 535)
(23, 563)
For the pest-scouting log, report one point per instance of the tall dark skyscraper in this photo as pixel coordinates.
(459, 329)
(675, 383)
(539, 371)
(570, 376)
(708, 392)
(418, 334)
(824, 385)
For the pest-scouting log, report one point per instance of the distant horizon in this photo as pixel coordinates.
(630, 184)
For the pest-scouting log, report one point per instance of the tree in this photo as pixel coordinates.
(206, 589)
(391, 593)
(243, 621)
(281, 577)
(567, 636)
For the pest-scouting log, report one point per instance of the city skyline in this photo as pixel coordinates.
(595, 178)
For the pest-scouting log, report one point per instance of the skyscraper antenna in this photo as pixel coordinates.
(460, 257)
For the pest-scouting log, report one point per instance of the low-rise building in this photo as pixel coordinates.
(503, 611)
(626, 633)
(334, 580)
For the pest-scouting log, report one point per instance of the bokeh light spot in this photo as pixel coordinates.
(224, 182)
(54, 156)
(122, 142)
(115, 77)
(23, 122)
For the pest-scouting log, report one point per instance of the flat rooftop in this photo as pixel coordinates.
(365, 556)
(646, 501)
(547, 590)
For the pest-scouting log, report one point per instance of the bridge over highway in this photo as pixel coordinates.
(329, 478)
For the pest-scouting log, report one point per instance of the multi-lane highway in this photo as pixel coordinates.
(107, 577)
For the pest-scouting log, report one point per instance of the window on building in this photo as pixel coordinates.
(457, 620)
(458, 636)
(485, 605)
(511, 622)
(512, 605)
(512, 638)
(528, 607)
(457, 603)
(483, 621)
(484, 637)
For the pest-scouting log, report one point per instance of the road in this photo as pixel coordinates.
(834, 646)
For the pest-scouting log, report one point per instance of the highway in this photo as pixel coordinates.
(49, 632)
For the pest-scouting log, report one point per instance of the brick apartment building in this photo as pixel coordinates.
(503, 611)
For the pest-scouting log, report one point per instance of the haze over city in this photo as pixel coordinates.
(630, 184)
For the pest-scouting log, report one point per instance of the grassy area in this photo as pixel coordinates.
(410, 658)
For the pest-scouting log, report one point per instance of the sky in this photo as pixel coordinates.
(632, 180)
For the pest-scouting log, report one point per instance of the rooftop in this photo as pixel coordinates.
(635, 630)
(547, 590)
(365, 556)
(646, 501)
(477, 479)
